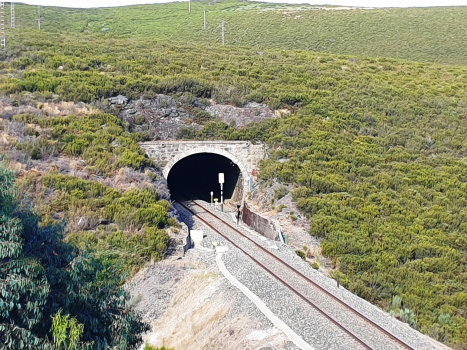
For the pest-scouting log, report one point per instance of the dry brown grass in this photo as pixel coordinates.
(313, 252)
(81, 219)
(197, 318)
(126, 178)
(65, 108)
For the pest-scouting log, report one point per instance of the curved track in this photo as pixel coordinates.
(188, 205)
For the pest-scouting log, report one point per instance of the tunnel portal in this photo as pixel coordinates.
(196, 176)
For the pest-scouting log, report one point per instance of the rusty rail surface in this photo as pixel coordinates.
(327, 293)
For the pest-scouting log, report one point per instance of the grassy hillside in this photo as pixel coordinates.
(376, 147)
(73, 242)
(419, 34)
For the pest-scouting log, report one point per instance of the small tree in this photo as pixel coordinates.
(23, 285)
(66, 331)
(53, 296)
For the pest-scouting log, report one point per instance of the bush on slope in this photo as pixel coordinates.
(376, 151)
(43, 277)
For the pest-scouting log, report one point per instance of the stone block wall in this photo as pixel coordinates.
(166, 153)
(243, 153)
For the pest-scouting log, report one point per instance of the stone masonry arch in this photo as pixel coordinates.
(243, 153)
(198, 150)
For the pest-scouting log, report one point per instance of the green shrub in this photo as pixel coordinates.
(150, 347)
(76, 147)
(301, 254)
(24, 118)
(202, 117)
(66, 183)
(139, 120)
(36, 266)
(172, 222)
(31, 131)
(155, 215)
(280, 192)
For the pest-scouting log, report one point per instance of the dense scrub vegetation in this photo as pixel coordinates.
(124, 229)
(421, 34)
(137, 211)
(84, 239)
(53, 295)
(99, 139)
(375, 149)
(392, 215)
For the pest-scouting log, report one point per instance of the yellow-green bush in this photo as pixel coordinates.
(376, 147)
(98, 138)
(137, 209)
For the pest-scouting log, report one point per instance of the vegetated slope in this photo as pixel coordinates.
(79, 230)
(419, 34)
(54, 294)
(375, 147)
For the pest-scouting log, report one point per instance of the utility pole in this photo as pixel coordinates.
(2, 25)
(222, 32)
(204, 19)
(13, 17)
(39, 12)
(189, 6)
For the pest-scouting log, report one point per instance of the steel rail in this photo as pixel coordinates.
(279, 278)
(359, 314)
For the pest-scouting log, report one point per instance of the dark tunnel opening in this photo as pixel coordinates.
(196, 176)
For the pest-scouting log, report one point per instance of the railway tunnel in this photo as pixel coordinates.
(195, 176)
(192, 167)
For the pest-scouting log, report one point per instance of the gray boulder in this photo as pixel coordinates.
(119, 100)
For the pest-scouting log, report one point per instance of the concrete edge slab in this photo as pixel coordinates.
(294, 337)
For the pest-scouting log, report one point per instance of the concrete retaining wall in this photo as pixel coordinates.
(259, 223)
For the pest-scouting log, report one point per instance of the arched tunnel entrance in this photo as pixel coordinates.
(196, 176)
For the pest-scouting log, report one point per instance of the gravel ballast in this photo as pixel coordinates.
(298, 315)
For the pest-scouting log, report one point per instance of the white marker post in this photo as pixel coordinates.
(221, 182)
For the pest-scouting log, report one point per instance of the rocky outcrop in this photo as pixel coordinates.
(162, 117)
(239, 117)
(118, 100)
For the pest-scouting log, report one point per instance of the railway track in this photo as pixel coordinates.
(345, 317)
